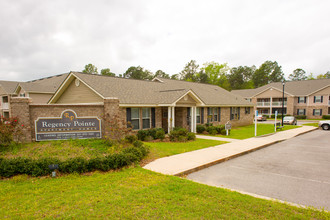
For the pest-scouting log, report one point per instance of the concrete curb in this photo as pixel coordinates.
(189, 162)
(234, 156)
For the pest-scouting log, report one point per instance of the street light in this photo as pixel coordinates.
(283, 101)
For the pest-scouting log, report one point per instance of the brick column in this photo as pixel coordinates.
(112, 114)
(19, 107)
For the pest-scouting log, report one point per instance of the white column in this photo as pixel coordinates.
(194, 119)
(169, 119)
(173, 117)
(271, 107)
(191, 119)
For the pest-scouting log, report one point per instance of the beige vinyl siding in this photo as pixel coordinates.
(39, 98)
(270, 93)
(187, 100)
(79, 94)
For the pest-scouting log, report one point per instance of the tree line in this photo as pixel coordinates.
(241, 77)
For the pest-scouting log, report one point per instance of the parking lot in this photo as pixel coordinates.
(296, 170)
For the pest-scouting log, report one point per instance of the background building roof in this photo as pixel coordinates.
(295, 88)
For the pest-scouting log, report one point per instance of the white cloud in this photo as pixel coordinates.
(41, 38)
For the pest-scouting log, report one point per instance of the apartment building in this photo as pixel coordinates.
(307, 97)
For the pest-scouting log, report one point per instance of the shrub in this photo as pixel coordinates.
(142, 134)
(326, 116)
(211, 130)
(160, 134)
(177, 132)
(301, 116)
(200, 129)
(131, 138)
(40, 167)
(191, 136)
(220, 128)
(148, 138)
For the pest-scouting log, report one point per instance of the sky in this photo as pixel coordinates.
(40, 38)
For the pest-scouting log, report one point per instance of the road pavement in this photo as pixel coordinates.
(295, 170)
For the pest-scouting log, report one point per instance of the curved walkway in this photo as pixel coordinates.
(183, 164)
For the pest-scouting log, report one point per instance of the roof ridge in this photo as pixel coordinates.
(117, 77)
(35, 80)
(199, 83)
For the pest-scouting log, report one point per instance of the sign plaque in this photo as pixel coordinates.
(68, 126)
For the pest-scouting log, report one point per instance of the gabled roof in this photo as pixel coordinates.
(157, 92)
(7, 87)
(295, 88)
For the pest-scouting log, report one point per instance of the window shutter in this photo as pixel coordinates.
(128, 117)
(219, 113)
(239, 113)
(313, 111)
(297, 111)
(304, 111)
(202, 115)
(231, 113)
(320, 112)
(314, 99)
(305, 99)
(153, 117)
(321, 99)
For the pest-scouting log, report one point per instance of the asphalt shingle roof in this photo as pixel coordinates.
(7, 87)
(295, 88)
(131, 91)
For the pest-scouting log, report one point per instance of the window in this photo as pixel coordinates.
(145, 118)
(22, 95)
(301, 112)
(5, 99)
(135, 118)
(302, 99)
(318, 99)
(317, 112)
(247, 110)
(234, 113)
(198, 115)
(215, 114)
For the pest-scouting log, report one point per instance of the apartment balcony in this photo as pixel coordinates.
(278, 104)
(5, 106)
(263, 104)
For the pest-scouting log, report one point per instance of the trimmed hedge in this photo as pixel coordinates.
(326, 117)
(39, 167)
(151, 134)
(181, 135)
(210, 129)
(301, 116)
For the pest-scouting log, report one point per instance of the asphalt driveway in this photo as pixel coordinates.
(295, 170)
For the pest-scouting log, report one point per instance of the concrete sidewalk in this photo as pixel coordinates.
(182, 164)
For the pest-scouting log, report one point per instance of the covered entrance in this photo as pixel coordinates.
(182, 113)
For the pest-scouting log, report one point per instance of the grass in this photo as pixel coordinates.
(245, 132)
(85, 148)
(135, 193)
(312, 124)
(164, 149)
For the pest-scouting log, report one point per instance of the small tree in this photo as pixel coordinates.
(10, 131)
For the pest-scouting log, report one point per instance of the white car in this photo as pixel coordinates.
(324, 124)
(261, 118)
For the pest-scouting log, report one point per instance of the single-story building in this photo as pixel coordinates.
(141, 104)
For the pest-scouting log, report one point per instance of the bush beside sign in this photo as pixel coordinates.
(68, 126)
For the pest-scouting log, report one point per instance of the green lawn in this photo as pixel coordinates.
(312, 124)
(134, 193)
(248, 131)
(164, 149)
